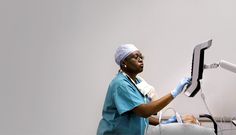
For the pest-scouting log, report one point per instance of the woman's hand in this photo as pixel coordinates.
(180, 86)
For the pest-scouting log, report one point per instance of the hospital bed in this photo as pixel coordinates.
(183, 128)
(180, 129)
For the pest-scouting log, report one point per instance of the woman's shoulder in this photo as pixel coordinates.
(120, 80)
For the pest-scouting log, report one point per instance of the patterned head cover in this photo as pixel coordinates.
(123, 51)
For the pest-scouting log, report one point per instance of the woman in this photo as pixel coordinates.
(130, 101)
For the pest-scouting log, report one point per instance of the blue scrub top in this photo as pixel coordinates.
(118, 119)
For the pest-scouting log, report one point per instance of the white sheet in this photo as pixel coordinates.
(179, 129)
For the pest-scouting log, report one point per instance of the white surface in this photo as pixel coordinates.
(228, 66)
(180, 129)
(57, 57)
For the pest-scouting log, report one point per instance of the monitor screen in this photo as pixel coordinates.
(197, 68)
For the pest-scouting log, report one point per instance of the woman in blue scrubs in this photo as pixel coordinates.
(127, 110)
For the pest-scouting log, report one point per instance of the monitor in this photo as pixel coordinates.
(197, 68)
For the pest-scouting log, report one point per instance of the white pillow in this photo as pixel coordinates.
(179, 129)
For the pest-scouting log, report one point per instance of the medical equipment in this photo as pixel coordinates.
(170, 120)
(211, 118)
(224, 64)
(197, 68)
(176, 118)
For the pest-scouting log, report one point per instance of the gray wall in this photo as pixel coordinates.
(57, 57)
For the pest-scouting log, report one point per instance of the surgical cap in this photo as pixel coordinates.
(123, 51)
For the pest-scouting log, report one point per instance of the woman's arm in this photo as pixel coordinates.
(146, 110)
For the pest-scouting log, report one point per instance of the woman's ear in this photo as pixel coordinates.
(123, 64)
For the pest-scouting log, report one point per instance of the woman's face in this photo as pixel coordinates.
(134, 62)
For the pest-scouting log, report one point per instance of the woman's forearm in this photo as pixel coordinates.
(146, 110)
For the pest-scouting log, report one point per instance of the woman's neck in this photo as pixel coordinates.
(131, 75)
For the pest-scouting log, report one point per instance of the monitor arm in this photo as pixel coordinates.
(224, 64)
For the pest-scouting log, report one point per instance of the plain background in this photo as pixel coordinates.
(57, 58)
